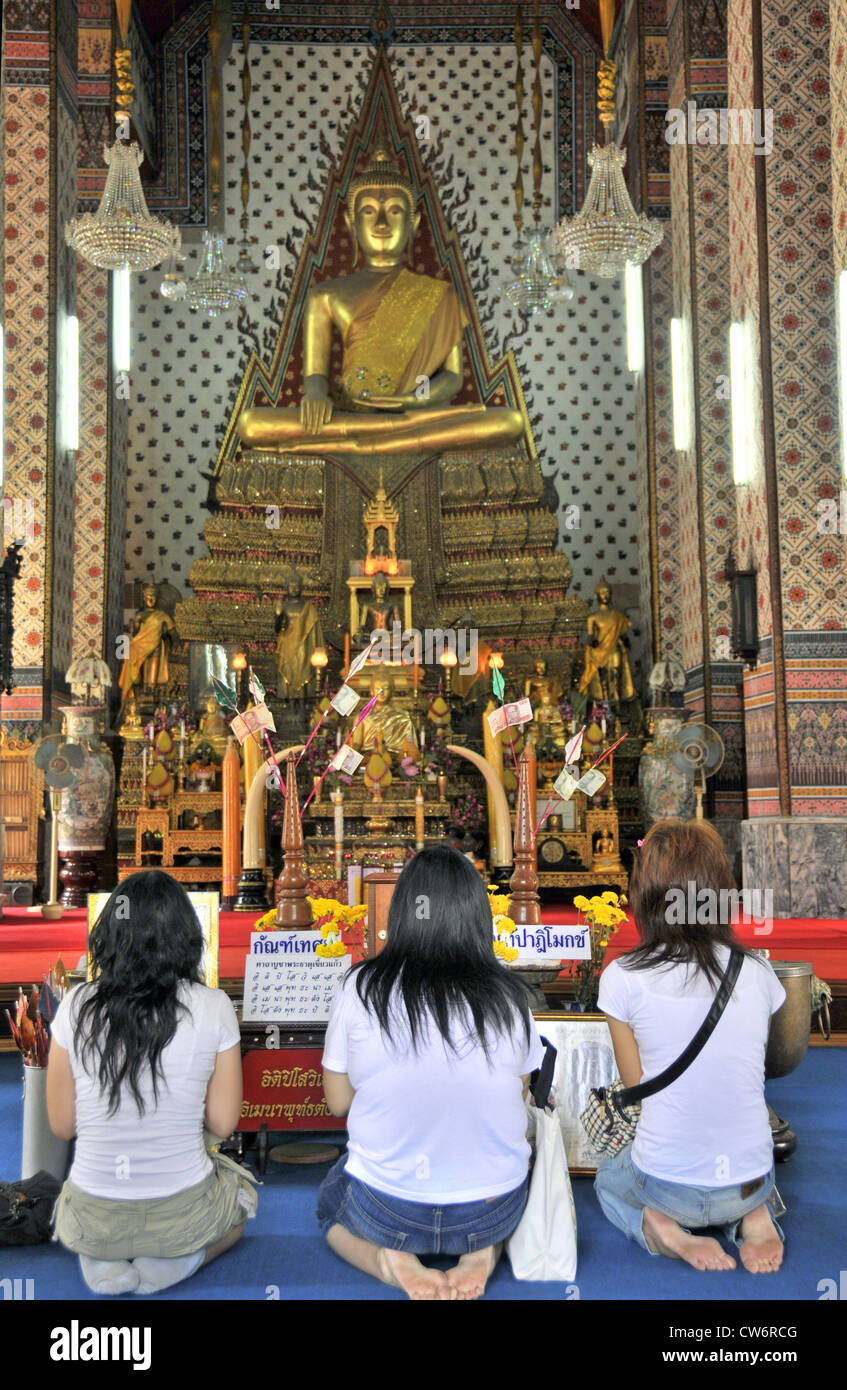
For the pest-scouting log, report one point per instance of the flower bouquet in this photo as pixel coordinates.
(503, 925)
(603, 915)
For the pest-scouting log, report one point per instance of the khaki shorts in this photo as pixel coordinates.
(161, 1227)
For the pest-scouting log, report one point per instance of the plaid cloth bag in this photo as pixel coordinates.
(611, 1116)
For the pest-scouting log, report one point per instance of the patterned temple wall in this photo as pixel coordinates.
(580, 394)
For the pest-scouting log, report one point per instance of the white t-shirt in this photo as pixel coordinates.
(431, 1126)
(709, 1128)
(134, 1157)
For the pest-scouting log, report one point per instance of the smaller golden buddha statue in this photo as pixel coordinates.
(299, 634)
(378, 612)
(604, 855)
(131, 730)
(387, 727)
(541, 681)
(213, 728)
(146, 664)
(547, 728)
(607, 675)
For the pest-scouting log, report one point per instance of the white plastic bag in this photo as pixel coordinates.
(543, 1246)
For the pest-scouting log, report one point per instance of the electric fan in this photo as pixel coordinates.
(699, 749)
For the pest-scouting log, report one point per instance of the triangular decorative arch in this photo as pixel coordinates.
(328, 252)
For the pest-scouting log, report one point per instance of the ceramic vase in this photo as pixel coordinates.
(87, 807)
(664, 789)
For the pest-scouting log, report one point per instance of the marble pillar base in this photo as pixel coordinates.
(803, 860)
(729, 830)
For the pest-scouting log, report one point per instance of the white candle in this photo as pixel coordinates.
(143, 767)
(338, 819)
(423, 739)
(182, 730)
(338, 738)
(603, 725)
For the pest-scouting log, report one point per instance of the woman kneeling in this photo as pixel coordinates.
(139, 1059)
(703, 1152)
(428, 1051)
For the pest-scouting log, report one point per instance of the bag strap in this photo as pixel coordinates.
(633, 1094)
(541, 1079)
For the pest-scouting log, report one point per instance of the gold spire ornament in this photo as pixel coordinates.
(607, 233)
(122, 234)
(245, 261)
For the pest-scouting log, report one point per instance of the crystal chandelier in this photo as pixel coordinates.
(121, 233)
(214, 289)
(540, 280)
(607, 232)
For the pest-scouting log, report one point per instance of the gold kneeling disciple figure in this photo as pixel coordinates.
(402, 335)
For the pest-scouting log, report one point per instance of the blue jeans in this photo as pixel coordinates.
(397, 1224)
(624, 1191)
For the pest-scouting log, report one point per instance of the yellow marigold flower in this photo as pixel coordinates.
(605, 941)
(505, 926)
(610, 898)
(499, 904)
(323, 950)
(499, 948)
(266, 922)
(330, 929)
(581, 902)
(338, 949)
(624, 899)
(510, 953)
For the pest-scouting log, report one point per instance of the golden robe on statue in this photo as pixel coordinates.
(299, 638)
(402, 328)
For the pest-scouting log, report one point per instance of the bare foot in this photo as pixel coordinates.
(665, 1237)
(761, 1251)
(406, 1272)
(471, 1274)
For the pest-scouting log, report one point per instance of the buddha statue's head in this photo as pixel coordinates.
(148, 595)
(603, 593)
(211, 705)
(383, 689)
(295, 584)
(379, 588)
(380, 211)
(540, 667)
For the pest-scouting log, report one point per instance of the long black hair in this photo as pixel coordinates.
(439, 957)
(145, 943)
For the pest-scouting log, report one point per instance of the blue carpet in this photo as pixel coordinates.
(282, 1255)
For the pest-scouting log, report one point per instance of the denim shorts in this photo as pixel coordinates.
(421, 1229)
(623, 1192)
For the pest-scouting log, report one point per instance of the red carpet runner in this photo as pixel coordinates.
(28, 944)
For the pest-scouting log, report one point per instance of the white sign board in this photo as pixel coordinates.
(546, 944)
(286, 981)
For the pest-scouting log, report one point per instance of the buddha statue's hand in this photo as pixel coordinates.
(315, 411)
(405, 402)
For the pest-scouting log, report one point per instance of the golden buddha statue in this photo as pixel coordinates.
(607, 675)
(387, 728)
(146, 665)
(378, 612)
(536, 685)
(548, 728)
(398, 328)
(213, 728)
(131, 730)
(299, 634)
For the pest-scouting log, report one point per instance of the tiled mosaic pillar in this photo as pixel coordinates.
(100, 500)
(782, 249)
(40, 175)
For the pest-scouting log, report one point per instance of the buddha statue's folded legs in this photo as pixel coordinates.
(432, 431)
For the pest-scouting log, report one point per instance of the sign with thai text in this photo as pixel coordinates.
(546, 944)
(284, 1090)
(286, 980)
